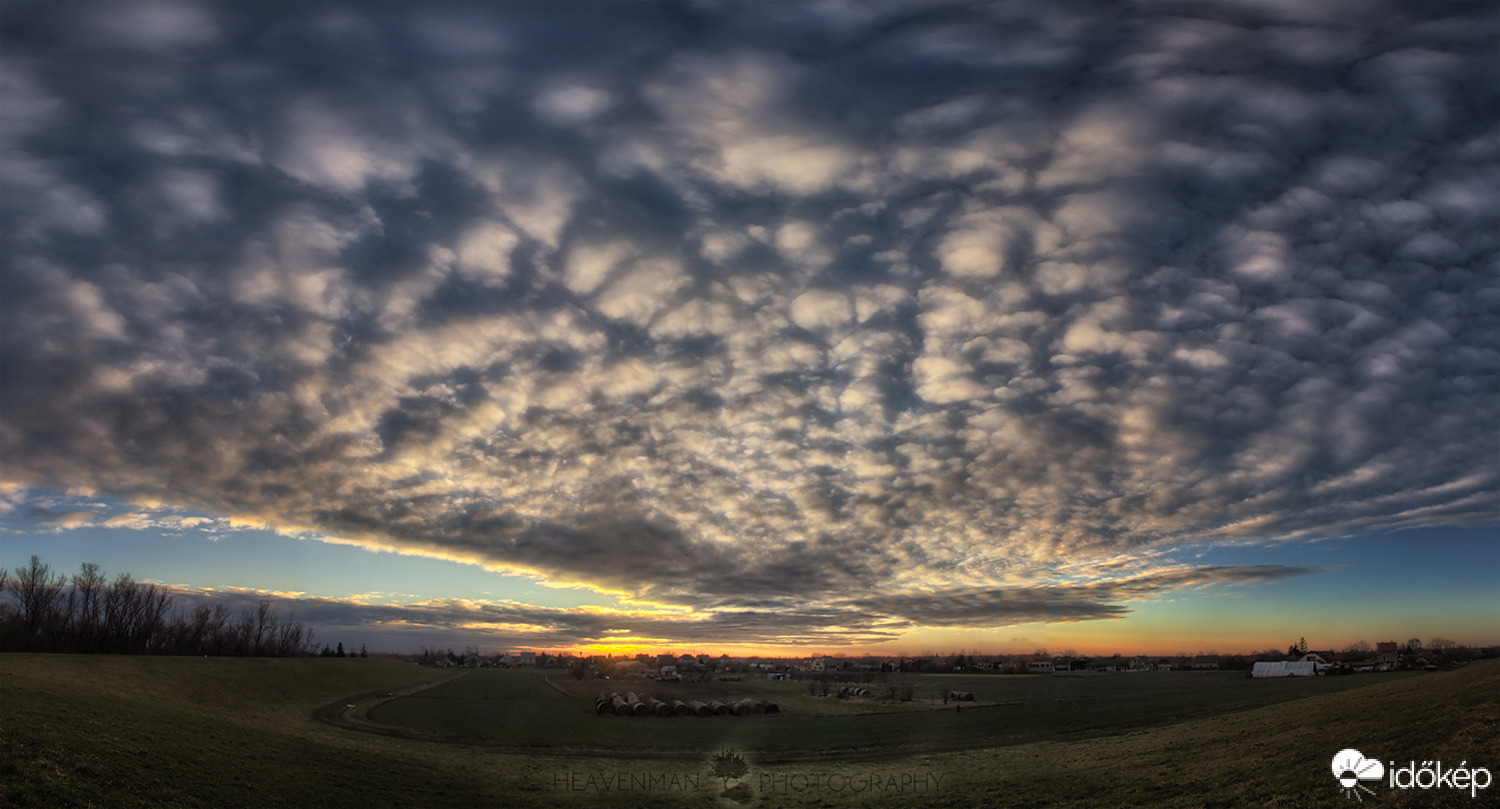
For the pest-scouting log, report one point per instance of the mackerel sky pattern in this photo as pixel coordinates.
(842, 315)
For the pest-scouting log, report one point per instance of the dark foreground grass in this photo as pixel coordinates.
(114, 731)
(1274, 756)
(176, 732)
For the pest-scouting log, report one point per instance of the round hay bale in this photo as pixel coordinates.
(603, 706)
(661, 708)
(719, 708)
(744, 707)
(760, 706)
(622, 708)
(772, 708)
(681, 708)
(701, 708)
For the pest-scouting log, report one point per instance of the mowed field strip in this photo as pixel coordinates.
(192, 732)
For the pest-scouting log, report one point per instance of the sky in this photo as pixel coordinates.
(779, 328)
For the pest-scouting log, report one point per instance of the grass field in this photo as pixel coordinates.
(519, 709)
(184, 732)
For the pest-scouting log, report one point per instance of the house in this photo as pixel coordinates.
(818, 664)
(1204, 663)
(1039, 667)
(526, 659)
(1416, 661)
(1387, 656)
(1105, 664)
(1141, 664)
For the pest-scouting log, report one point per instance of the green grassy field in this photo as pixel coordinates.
(519, 709)
(185, 732)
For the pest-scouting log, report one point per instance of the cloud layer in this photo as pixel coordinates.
(763, 309)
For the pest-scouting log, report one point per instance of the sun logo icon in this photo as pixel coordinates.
(1350, 766)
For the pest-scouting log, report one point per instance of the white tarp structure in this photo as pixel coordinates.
(1283, 668)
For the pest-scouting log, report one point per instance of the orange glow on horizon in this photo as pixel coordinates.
(610, 649)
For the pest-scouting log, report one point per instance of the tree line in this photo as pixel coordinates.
(90, 613)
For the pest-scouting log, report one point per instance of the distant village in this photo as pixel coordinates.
(1296, 660)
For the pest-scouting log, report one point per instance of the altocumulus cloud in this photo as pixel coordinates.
(758, 310)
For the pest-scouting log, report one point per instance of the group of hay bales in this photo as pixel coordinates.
(960, 696)
(631, 704)
(847, 691)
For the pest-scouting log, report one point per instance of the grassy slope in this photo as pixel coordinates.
(111, 731)
(1275, 756)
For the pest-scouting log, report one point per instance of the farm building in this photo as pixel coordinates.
(1283, 668)
(628, 668)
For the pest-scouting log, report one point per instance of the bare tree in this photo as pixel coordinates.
(88, 613)
(218, 633)
(87, 600)
(242, 634)
(263, 631)
(41, 598)
(117, 605)
(292, 639)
